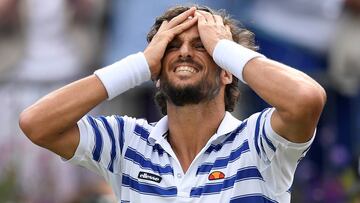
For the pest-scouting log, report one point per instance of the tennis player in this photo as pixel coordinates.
(198, 152)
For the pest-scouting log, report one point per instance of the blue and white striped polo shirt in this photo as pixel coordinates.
(245, 161)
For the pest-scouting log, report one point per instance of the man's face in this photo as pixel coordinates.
(189, 74)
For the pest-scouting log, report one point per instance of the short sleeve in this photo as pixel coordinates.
(276, 157)
(102, 140)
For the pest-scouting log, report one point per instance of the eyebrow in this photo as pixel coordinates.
(196, 39)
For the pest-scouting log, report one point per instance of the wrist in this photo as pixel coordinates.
(151, 64)
(233, 57)
(124, 74)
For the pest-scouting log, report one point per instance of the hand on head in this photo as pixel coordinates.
(211, 29)
(154, 52)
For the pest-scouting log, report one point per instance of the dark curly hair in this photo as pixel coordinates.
(239, 34)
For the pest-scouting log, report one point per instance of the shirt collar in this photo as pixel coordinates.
(228, 124)
(159, 131)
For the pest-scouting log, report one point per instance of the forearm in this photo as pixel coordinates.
(283, 87)
(60, 110)
(298, 99)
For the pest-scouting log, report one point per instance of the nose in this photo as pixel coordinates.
(186, 51)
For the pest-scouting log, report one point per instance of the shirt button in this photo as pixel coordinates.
(179, 175)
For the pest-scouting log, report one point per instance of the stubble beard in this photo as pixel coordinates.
(203, 91)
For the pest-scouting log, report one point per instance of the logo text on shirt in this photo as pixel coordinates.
(148, 176)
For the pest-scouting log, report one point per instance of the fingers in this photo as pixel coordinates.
(209, 18)
(181, 17)
(227, 27)
(206, 17)
(163, 26)
(184, 26)
(178, 24)
(218, 20)
(201, 18)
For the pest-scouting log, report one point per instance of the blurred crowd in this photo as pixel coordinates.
(47, 44)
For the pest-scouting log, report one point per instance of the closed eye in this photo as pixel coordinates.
(172, 46)
(199, 46)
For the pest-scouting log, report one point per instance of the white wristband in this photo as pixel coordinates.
(233, 57)
(124, 74)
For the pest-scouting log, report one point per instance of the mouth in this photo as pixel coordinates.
(185, 69)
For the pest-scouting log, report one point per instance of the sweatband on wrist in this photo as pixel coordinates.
(233, 57)
(124, 74)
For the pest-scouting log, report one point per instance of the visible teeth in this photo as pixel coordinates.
(185, 68)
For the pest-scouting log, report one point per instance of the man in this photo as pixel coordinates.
(198, 152)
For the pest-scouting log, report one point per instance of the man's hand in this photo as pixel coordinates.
(211, 29)
(154, 52)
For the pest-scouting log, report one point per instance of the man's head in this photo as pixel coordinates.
(187, 51)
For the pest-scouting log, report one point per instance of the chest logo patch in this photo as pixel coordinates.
(216, 175)
(149, 176)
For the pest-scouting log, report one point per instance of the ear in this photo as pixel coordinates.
(226, 77)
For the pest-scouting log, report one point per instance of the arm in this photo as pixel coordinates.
(52, 121)
(297, 98)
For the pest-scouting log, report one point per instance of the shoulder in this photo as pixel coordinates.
(256, 120)
(115, 124)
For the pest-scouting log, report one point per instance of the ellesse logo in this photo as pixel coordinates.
(216, 175)
(149, 176)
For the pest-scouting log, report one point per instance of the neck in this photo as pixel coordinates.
(191, 127)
